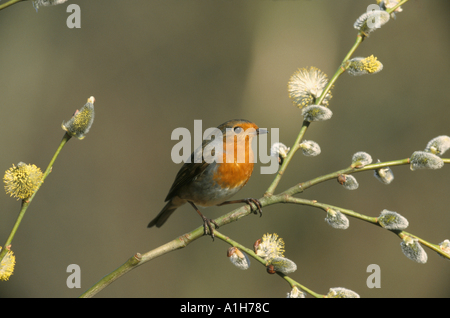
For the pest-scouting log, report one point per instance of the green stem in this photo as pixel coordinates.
(251, 253)
(108, 279)
(138, 260)
(432, 246)
(9, 3)
(305, 125)
(13, 231)
(287, 160)
(293, 283)
(27, 202)
(378, 165)
(396, 6)
(359, 38)
(284, 197)
(350, 170)
(64, 140)
(341, 69)
(324, 206)
(372, 220)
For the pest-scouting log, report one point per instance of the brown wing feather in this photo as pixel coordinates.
(188, 172)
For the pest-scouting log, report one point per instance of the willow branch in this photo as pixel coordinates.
(372, 220)
(9, 3)
(26, 203)
(359, 39)
(283, 197)
(260, 260)
(287, 160)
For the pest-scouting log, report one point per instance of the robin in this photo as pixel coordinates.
(218, 175)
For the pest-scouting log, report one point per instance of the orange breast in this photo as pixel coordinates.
(235, 174)
(232, 175)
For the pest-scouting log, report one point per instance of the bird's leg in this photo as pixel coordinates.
(206, 222)
(248, 201)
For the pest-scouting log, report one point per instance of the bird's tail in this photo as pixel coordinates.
(162, 217)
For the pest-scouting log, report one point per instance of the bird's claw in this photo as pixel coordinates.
(207, 226)
(256, 203)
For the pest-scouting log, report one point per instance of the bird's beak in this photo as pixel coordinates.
(261, 131)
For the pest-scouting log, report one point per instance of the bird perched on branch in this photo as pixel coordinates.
(215, 172)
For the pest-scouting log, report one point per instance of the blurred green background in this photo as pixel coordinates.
(154, 66)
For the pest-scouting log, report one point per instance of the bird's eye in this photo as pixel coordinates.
(238, 130)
